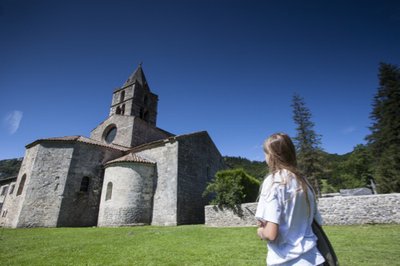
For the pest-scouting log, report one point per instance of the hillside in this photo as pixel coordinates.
(254, 168)
(9, 167)
(259, 169)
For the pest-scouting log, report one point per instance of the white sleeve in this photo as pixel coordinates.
(317, 215)
(269, 207)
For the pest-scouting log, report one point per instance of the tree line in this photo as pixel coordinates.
(378, 160)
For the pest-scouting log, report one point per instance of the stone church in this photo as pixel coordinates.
(128, 172)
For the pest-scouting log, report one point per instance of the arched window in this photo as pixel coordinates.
(122, 96)
(118, 111)
(21, 185)
(85, 184)
(109, 191)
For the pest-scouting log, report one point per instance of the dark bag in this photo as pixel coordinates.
(324, 246)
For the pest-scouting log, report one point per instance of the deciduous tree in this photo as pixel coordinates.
(232, 187)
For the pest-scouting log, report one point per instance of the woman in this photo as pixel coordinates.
(286, 208)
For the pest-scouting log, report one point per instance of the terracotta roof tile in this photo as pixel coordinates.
(80, 139)
(131, 157)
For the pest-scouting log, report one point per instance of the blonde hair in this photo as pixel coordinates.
(281, 154)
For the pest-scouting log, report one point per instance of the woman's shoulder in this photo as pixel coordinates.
(272, 182)
(272, 179)
(280, 176)
(280, 180)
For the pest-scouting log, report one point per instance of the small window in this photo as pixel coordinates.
(118, 111)
(85, 184)
(12, 189)
(146, 100)
(123, 109)
(21, 185)
(4, 190)
(122, 96)
(109, 191)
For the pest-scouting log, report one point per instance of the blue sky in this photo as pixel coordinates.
(228, 67)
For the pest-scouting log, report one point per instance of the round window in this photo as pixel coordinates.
(111, 133)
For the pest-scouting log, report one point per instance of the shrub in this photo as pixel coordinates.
(232, 187)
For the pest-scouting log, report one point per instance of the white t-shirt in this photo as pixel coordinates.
(282, 201)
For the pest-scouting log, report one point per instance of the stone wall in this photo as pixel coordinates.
(46, 170)
(116, 99)
(137, 101)
(371, 209)
(143, 133)
(131, 131)
(165, 155)
(351, 210)
(51, 196)
(81, 208)
(199, 160)
(3, 194)
(127, 197)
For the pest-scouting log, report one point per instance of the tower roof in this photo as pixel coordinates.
(137, 76)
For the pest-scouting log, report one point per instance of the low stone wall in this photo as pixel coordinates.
(351, 210)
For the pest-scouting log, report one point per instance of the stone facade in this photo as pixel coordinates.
(7, 187)
(165, 155)
(183, 166)
(128, 197)
(199, 160)
(130, 131)
(128, 172)
(52, 173)
(350, 210)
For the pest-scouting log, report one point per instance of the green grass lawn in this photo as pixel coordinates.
(182, 245)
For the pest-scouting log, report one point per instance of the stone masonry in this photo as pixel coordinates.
(351, 210)
(131, 188)
(129, 172)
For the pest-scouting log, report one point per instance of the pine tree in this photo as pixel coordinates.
(307, 143)
(384, 140)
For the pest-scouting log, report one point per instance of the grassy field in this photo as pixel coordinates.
(182, 245)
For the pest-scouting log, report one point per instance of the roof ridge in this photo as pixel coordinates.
(130, 157)
(81, 139)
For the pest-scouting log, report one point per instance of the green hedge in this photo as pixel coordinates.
(232, 187)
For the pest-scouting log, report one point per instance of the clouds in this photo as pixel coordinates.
(12, 121)
(348, 130)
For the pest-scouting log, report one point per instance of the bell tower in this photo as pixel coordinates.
(133, 115)
(134, 98)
